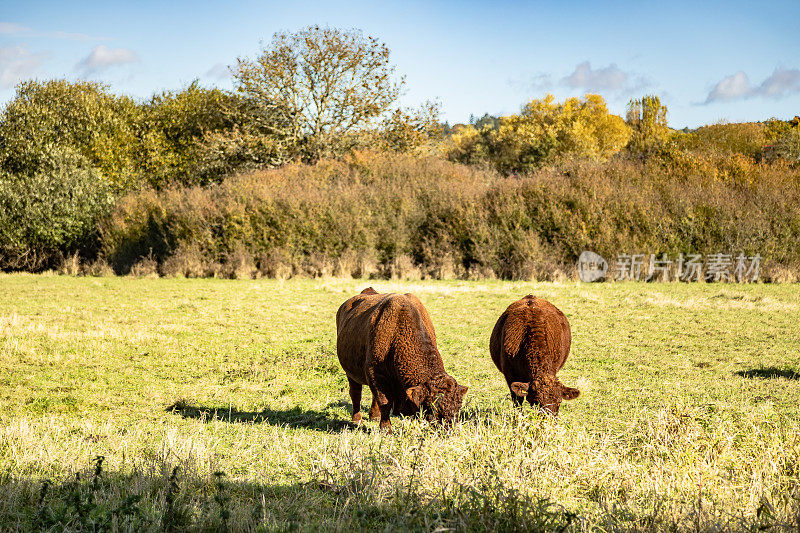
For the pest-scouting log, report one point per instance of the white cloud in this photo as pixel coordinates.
(730, 88)
(608, 80)
(782, 82)
(102, 58)
(10, 28)
(18, 63)
(219, 72)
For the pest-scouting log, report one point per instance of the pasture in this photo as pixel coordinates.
(220, 404)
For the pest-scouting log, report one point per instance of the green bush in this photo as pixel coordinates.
(46, 118)
(196, 136)
(51, 213)
(788, 146)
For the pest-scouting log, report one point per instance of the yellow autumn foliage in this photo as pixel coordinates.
(544, 131)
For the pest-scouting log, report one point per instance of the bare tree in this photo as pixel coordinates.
(327, 82)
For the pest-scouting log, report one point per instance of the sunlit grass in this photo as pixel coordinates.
(688, 415)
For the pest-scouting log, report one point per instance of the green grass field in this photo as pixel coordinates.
(688, 416)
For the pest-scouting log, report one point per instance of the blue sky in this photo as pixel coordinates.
(709, 61)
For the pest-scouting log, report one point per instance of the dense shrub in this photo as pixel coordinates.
(400, 213)
(746, 138)
(196, 136)
(788, 145)
(54, 116)
(51, 213)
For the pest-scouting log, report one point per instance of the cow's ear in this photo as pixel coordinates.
(520, 389)
(369, 290)
(416, 395)
(462, 390)
(568, 393)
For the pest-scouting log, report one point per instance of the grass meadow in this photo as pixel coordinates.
(132, 404)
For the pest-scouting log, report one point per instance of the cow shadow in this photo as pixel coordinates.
(295, 417)
(344, 404)
(769, 373)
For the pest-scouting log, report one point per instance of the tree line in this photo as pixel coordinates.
(70, 150)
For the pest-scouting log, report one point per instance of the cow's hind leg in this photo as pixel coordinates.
(374, 411)
(379, 389)
(355, 396)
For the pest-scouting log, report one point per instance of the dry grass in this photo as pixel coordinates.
(723, 300)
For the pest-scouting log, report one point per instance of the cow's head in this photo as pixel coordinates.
(545, 392)
(440, 398)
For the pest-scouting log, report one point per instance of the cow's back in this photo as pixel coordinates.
(354, 323)
(531, 332)
(558, 331)
(369, 325)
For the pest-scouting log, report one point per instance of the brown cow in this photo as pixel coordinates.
(529, 344)
(387, 342)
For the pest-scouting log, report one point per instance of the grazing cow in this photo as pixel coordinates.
(387, 342)
(529, 344)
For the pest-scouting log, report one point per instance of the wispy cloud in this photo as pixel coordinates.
(18, 63)
(539, 82)
(781, 83)
(102, 58)
(218, 72)
(17, 30)
(607, 79)
(610, 80)
(9, 28)
(73, 36)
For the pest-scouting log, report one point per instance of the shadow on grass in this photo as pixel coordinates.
(769, 373)
(161, 497)
(344, 404)
(296, 417)
(157, 496)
